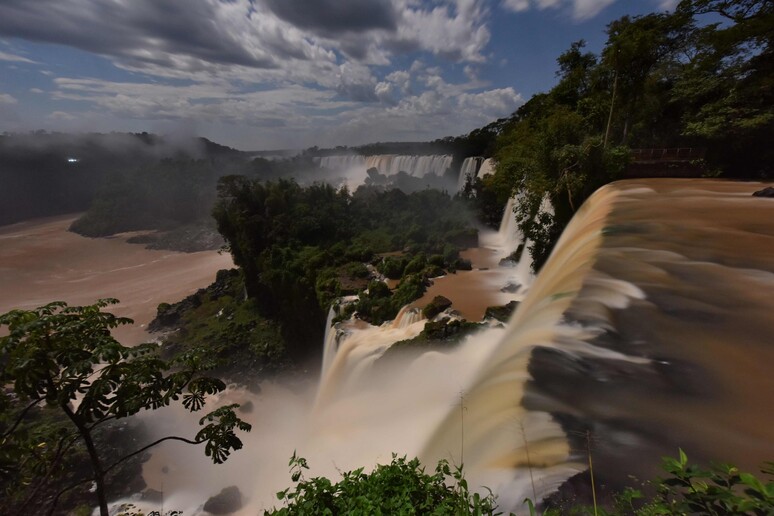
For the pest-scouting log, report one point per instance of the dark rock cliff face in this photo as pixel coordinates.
(169, 316)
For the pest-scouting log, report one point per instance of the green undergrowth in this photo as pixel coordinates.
(224, 330)
(689, 489)
(401, 487)
(404, 487)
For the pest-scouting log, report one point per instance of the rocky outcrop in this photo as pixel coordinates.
(766, 192)
(227, 501)
(435, 307)
(168, 316)
(501, 313)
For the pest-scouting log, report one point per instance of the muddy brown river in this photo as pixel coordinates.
(40, 262)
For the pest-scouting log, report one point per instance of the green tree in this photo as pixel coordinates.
(65, 358)
(728, 84)
(401, 487)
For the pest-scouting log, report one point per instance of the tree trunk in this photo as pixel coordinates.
(610, 114)
(99, 474)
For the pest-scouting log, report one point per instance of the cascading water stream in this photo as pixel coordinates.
(330, 341)
(486, 168)
(468, 169)
(498, 430)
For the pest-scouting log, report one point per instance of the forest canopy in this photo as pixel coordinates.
(701, 77)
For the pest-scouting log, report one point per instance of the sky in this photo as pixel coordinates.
(286, 74)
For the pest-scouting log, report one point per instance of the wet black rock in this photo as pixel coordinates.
(501, 313)
(510, 287)
(436, 306)
(766, 192)
(227, 501)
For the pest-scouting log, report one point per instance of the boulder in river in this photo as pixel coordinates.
(227, 501)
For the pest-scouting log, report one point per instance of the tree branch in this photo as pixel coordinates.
(62, 448)
(63, 491)
(106, 418)
(151, 445)
(20, 418)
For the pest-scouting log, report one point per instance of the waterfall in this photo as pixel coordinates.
(487, 168)
(349, 367)
(491, 381)
(330, 341)
(418, 166)
(497, 427)
(468, 169)
(350, 167)
(354, 167)
(509, 233)
(342, 162)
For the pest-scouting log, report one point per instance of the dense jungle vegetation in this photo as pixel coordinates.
(299, 249)
(700, 77)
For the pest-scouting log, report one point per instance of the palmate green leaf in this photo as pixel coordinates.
(59, 353)
(193, 401)
(218, 432)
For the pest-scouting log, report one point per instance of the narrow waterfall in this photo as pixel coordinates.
(330, 341)
(469, 169)
(509, 233)
(487, 167)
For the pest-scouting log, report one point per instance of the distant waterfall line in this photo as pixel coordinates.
(355, 166)
(390, 164)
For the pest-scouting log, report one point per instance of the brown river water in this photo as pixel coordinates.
(40, 262)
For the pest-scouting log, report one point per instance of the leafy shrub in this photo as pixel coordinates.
(401, 487)
(416, 264)
(392, 267)
(719, 491)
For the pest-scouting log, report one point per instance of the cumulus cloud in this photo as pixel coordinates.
(579, 9)
(424, 116)
(516, 5)
(290, 69)
(667, 5)
(5, 98)
(202, 35)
